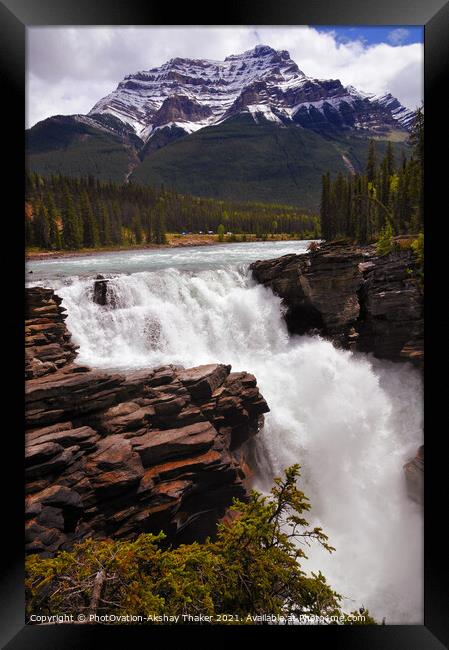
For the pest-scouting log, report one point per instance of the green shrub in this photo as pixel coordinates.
(253, 567)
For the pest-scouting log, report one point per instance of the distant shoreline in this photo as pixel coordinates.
(178, 241)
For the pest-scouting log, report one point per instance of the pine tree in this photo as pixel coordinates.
(384, 189)
(415, 194)
(417, 142)
(348, 208)
(371, 163)
(325, 206)
(404, 210)
(159, 231)
(417, 136)
(55, 234)
(42, 227)
(364, 211)
(385, 176)
(149, 227)
(104, 224)
(29, 231)
(91, 237)
(72, 233)
(389, 158)
(340, 205)
(137, 227)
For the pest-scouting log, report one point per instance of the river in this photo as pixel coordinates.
(349, 420)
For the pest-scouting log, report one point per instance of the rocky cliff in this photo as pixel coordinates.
(352, 296)
(114, 455)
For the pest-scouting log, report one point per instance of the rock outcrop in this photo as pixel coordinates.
(114, 455)
(47, 341)
(391, 323)
(352, 296)
(180, 108)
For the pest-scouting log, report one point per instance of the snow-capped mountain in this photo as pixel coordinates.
(252, 127)
(186, 95)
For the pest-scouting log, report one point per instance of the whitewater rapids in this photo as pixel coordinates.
(350, 421)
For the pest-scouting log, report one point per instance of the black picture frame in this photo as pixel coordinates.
(15, 17)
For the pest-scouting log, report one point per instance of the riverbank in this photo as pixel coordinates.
(174, 240)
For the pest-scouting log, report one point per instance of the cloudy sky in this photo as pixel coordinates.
(70, 68)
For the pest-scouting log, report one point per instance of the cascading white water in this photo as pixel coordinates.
(351, 422)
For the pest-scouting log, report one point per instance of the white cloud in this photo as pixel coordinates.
(71, 68)
(398, 36)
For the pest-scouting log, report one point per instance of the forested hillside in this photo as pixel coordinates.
(388, 198)
(241, 160)
(70, 213)
(74, 213)
(238, 160)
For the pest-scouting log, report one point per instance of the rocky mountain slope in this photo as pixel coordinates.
(158, 121)
(113, 455)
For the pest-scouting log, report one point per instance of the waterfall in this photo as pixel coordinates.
(350, 421)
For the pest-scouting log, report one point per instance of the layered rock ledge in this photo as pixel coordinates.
(114, 455)
(352, 296)
(47, 340)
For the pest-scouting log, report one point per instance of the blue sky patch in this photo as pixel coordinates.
(390, 34)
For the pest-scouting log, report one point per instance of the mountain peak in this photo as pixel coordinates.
(190, 94)
(266, 50)
(258, 50)
(262, 50)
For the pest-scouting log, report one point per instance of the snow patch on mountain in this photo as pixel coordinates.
(319, 104)
(263, 110)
